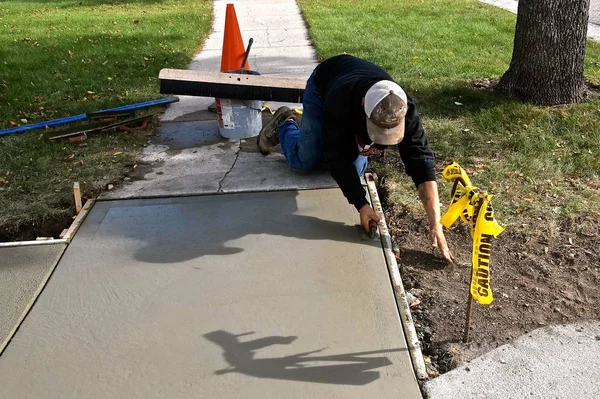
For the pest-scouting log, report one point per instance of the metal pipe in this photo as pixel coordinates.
(39, 125)
(75, 118)
(30, 243)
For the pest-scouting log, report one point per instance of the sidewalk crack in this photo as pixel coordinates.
(237, 155)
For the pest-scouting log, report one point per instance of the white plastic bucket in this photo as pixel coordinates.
(239, 119)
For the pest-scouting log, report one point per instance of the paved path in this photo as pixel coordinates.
(188, 156)
(281, 47)
(553, 362)
(593, 26)
(264, 295)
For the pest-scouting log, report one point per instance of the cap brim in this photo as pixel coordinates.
(384, 136)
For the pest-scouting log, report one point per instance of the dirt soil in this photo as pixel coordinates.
(535, 281)
(48, 228)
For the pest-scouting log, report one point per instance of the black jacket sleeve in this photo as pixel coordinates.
(416, 154)
(340, 153)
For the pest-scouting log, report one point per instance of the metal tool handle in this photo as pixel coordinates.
(247, 53)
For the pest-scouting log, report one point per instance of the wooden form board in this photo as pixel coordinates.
(231, 86)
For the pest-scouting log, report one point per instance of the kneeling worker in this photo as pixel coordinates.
(353, 108)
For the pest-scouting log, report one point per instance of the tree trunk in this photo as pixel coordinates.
(549, 50)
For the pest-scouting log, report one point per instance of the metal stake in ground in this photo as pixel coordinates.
(469, 311)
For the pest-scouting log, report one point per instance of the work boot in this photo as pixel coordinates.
(268, 139)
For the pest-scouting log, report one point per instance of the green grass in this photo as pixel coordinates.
(542, 163)
(61, 58)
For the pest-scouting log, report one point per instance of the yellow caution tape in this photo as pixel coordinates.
(266, 107)
(474, 207)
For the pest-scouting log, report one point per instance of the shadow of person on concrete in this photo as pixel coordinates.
(354, 368)
(179, 229)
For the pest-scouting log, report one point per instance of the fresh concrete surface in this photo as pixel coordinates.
(281, 46)
(552, 362)
(22, 270)
(189, 158)
(593, 26)
(257, 295)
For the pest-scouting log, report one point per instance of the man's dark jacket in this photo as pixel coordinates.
(342, 83)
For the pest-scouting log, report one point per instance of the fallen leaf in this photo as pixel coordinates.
(12, 123)
(415, 303)
(457, 103)
(117, 153)
(136, 21)
(90, 92)
(466, 130)
(415, 57)
(3, 181)
(110, 186)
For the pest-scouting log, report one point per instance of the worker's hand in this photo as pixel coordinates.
(368, 218)
(438, 240)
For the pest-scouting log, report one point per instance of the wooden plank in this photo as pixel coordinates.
(231, 86)
(77, 195)
(79, 220)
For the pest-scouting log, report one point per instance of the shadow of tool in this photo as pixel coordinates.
(354, 368)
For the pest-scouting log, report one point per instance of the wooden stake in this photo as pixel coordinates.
(470, 300)
(77, 194)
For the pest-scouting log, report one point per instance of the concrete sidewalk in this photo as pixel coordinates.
(281, 48)
(257, 295)
(188, 156)
(552, 362)
(270, 295)
(593, 26)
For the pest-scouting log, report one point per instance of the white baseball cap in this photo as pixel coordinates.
(385, 106)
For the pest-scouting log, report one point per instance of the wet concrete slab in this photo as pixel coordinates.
(262, 295)
(22, 270)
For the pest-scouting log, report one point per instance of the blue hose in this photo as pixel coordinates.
(69, 119)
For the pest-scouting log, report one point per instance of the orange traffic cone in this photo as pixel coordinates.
(233, 45)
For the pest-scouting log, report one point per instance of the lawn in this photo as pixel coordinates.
(61, 58)
(542, 163)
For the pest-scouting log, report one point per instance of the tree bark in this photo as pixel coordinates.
(549, 51)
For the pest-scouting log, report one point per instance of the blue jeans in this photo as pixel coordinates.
(303, 145)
